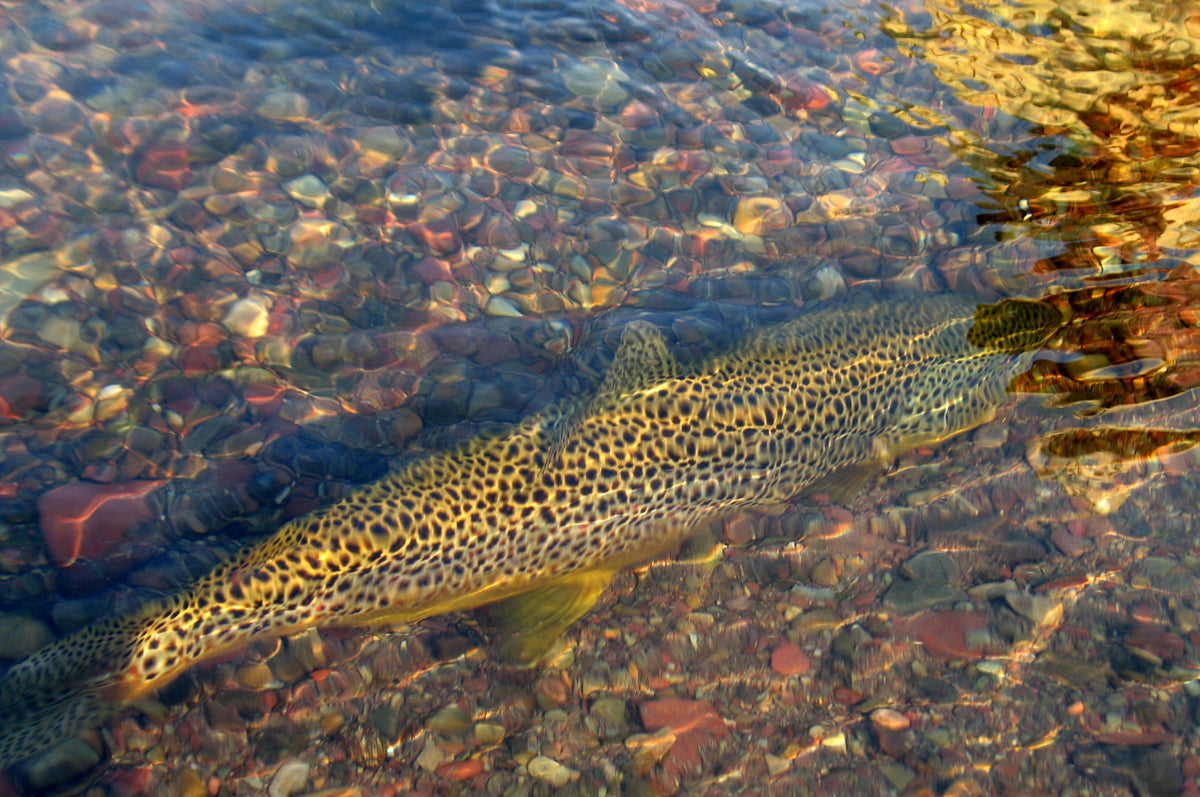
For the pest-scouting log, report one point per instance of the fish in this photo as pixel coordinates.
(537, 518)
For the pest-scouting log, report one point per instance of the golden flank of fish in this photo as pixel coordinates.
(546, 512)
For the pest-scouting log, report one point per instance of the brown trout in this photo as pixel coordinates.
(546, 512)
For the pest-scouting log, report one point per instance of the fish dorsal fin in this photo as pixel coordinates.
(642, 361)
(1014, 325)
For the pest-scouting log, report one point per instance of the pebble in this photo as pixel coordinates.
(596, 78)
(788, 659)
(22, 635)
(431, 756)
(308, 190)
(289, 779)
(760, 215)
(500, 306)
(284, 106)
(186, 783)
(609, 716)
(1041, 609)
(248, 317)
(59, 764)
(489, 733)
(449, 720)
(257, 676)
(548, 770)
(86, 520)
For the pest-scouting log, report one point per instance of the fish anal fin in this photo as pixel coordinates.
(843, 484)
(530, 623)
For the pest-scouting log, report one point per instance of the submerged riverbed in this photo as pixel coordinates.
(255, 254)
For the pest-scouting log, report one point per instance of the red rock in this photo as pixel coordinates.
(432, 269)
(1134, 738)
(1069, 544)
(952, 635)
(1167, 646)
(18, 396)
(165, 165)
(682, 716)
(788, 659)
(739, 530)
(437, 230)
(461, 770)
(806, 94)
(847, 696)
(697, 728)
(264, 397)
(129, 782)
(197, 360)
(88, 520)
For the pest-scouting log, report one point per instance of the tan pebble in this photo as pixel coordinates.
(965, 787)
(759, 215)
(248, 317)
(824, 573)
(284, 106)
(489, 733)
(332, 723)
(307, 189)
(431, 756)
(289, 779)
(992, 435)
(187, 783)
(499, 306)
(649, 748)
(11, 197)
(550, 771)
(889, 719)
(777, 765)
(60, 332)
(257, 676)
(449, 720)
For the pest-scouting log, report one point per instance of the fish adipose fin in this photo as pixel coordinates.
(530, 623)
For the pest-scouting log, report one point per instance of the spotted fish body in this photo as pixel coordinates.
(564, 499)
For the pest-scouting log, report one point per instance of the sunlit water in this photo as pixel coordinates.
(252, 254)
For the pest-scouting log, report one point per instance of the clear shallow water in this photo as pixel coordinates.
(255, 253)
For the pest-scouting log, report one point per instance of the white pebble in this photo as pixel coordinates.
(290, 779)
(549, 770)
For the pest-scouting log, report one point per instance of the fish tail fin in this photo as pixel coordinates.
(1015, 325)
(72, 684)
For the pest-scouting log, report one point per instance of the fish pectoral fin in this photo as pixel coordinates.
(843, 484)
(530, 623)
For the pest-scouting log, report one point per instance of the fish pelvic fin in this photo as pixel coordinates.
(530, 623)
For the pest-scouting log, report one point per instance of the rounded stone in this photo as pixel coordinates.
(248, 317)
(759, 215)
(547, 769)
(290, 779)
(284, 106)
